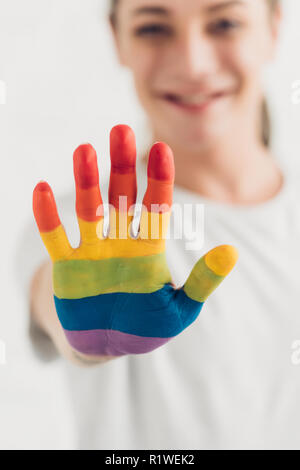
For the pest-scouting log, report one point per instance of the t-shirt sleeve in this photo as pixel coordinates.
(30, 254)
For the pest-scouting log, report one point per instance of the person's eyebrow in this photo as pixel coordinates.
(154, 10)
(159, 10)
(220, 5)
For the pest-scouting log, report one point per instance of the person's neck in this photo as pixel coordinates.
(234, 170)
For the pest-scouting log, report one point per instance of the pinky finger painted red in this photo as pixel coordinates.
(44, 208)
(48, 222)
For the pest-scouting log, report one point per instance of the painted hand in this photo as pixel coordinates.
(114, 294)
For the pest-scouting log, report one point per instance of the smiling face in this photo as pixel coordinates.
(196, 64)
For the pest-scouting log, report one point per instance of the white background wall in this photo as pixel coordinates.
(64, 87)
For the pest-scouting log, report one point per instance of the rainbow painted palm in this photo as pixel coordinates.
(115, 295)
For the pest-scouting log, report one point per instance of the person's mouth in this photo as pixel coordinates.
(195, 102)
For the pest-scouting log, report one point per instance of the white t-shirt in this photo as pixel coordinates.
(229, 381)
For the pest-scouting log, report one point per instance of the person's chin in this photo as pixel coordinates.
(193, 138)
(200, 139)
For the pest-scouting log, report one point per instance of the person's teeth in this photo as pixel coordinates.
(192, 99)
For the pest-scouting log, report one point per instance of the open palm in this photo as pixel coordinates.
(114, 294)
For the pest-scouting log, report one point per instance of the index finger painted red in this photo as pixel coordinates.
(161, 174)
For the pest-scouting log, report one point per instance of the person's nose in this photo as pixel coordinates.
(194, 55)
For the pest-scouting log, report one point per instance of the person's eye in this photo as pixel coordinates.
(153, 30)
(224, 26)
